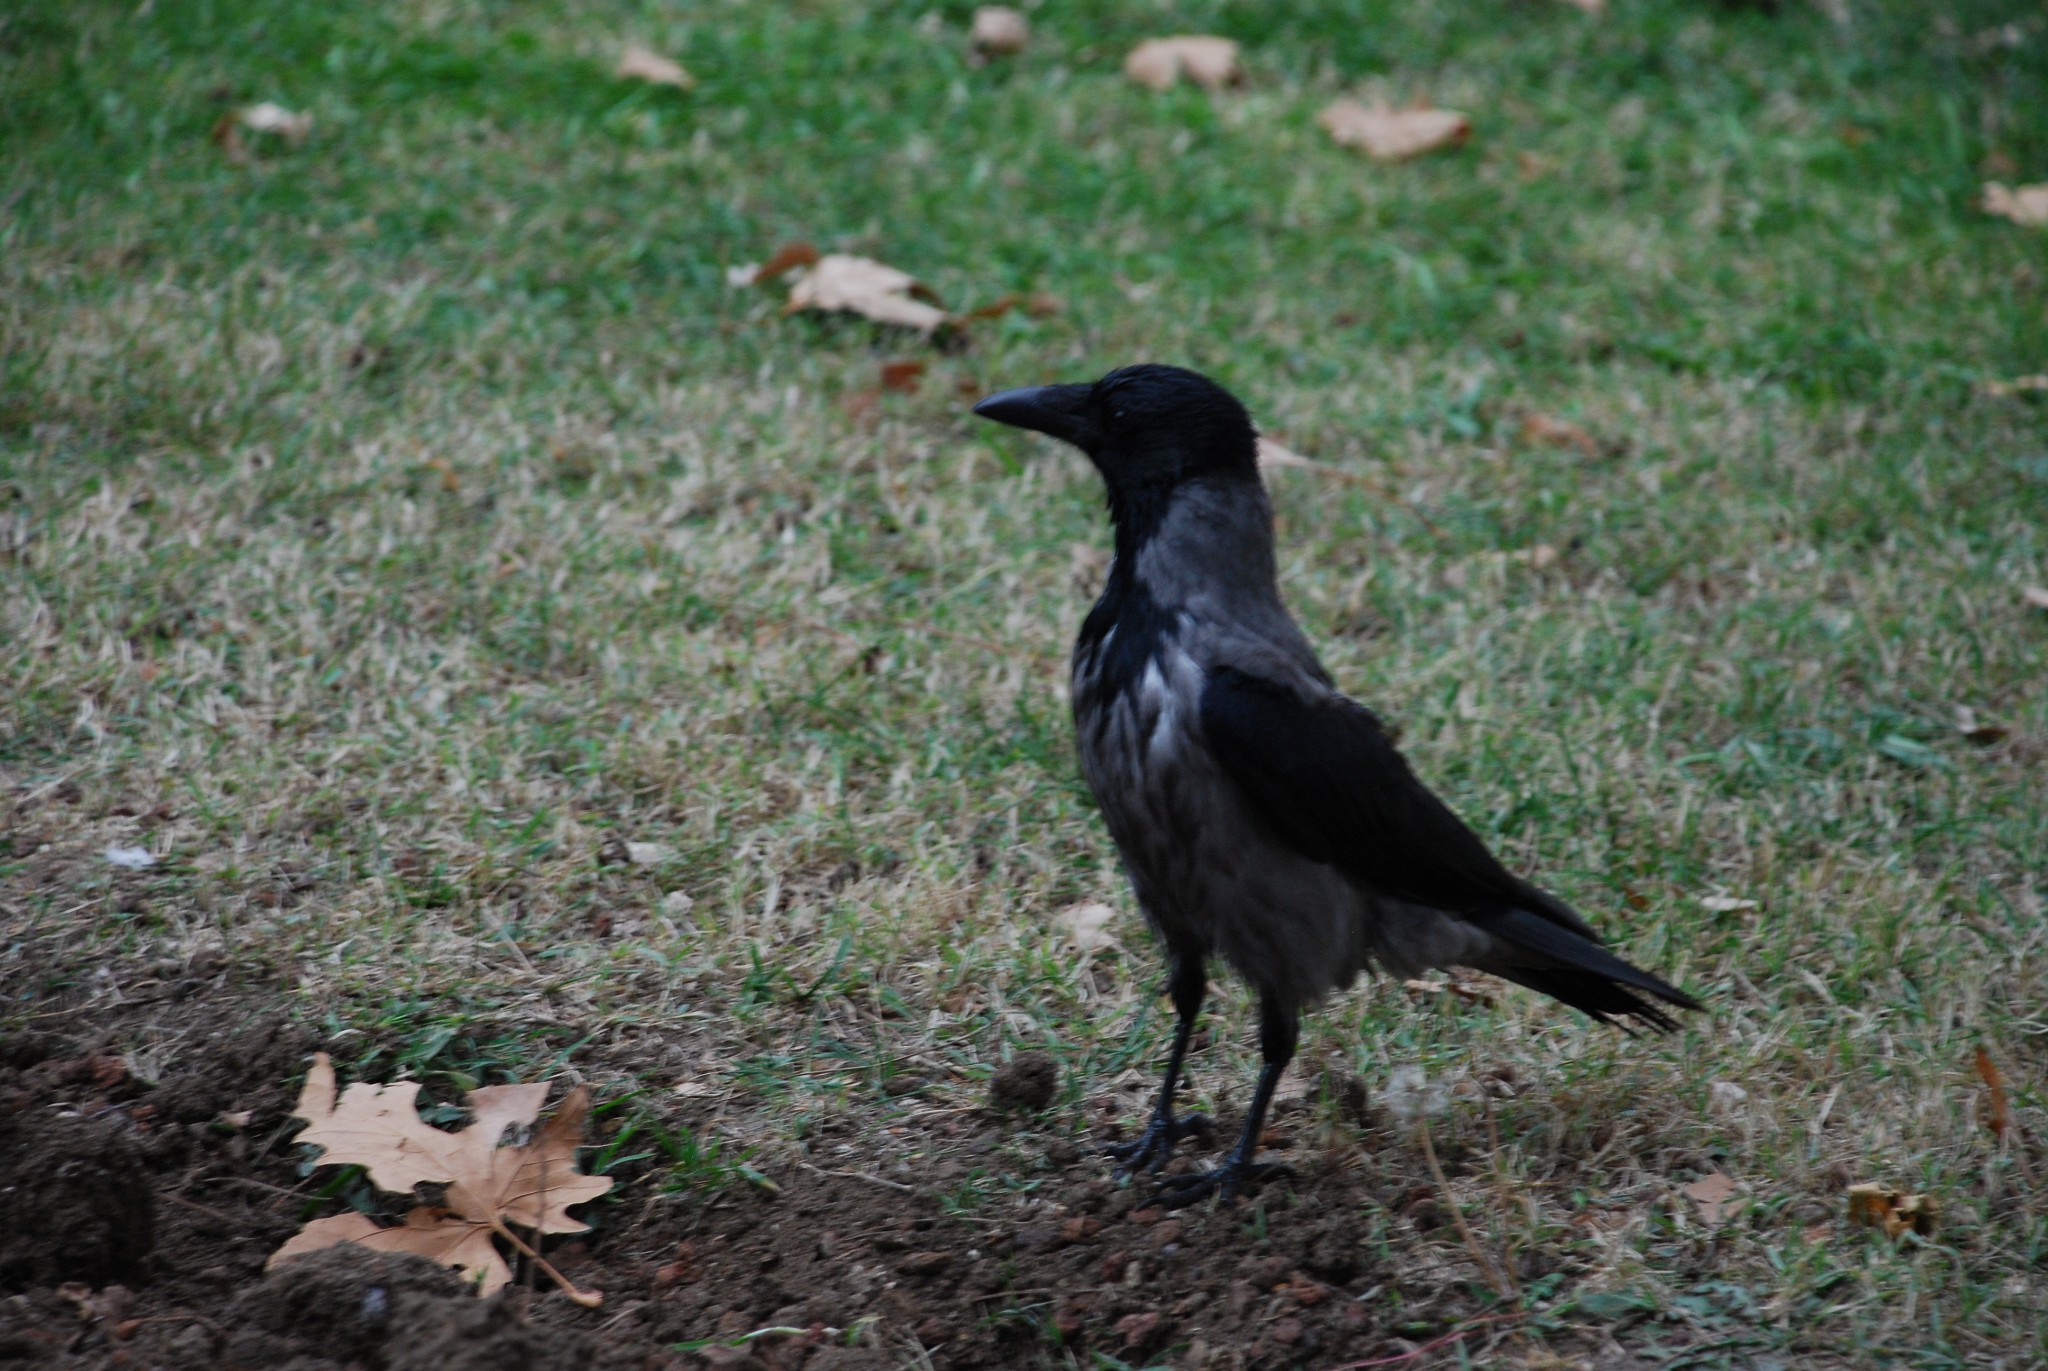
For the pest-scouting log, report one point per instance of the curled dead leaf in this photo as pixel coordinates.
(1207, 61)
(1394, 135)
(2037, 596)
(785, 258)
(998, 31)
(1895, 1211)
(1589, 6)
(1725, 904)
(863, 286)
(644, 64)
(2024, 205)
(1555, 432)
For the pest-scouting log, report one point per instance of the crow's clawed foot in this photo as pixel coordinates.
(1225, 1182)
(1153, 1148)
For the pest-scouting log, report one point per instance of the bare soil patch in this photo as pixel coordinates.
(138, 1215)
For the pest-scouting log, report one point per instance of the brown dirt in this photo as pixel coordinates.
(158, 1208)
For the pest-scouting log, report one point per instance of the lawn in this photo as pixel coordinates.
(525, 653)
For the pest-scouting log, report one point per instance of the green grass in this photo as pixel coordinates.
(391, 520)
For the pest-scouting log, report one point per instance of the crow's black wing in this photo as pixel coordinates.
(1330, 784)
(1327, 781)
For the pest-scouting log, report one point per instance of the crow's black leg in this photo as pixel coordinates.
(1279, 1030)
(1152, 1148)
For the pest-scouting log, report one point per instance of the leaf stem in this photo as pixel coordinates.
(589, 1299)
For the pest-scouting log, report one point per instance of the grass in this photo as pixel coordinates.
(390, 523)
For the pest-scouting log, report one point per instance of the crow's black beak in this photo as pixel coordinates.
(1060, 411)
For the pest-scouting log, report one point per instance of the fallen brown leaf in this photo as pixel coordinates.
(1589, 6)
(269, 117)
(1712, 1193)
(1272, 454)
(1161, 62)
(2037, 596)
(265, 117)
(1085, 926)
(1999, 1117)
(1979, 730)
(1394, 135)
(2024, 205)
(998, 31)
(1038, 304)
(644, 64)
(1554, 432)
(902, 376)
(863, 286)
(1896, 1212)
(2018, 385)
(489, 1187)
(784, 258)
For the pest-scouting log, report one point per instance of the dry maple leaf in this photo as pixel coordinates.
(999, 31)
(1712, 1193)
(1394, 135)
(1208, 62)
(863, 286)
(2025, 205)
(378, 1128)
(643, 64)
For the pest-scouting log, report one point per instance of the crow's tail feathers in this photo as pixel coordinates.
(1581, 973)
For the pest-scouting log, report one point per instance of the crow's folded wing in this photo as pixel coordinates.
(1329, 783)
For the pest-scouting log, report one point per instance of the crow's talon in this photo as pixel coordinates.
(1153, 1148)
(1225, 1181)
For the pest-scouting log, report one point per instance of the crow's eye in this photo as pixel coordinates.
(1117, 415)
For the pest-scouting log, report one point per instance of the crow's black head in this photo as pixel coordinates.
(1145, 427)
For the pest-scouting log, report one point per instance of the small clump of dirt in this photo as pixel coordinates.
(76, 1200)
(342, 1302)
(489, 1335)
(1027, 1083)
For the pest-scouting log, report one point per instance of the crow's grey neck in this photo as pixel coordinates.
(1212, 551)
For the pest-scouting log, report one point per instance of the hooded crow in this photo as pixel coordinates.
(1262, 816)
